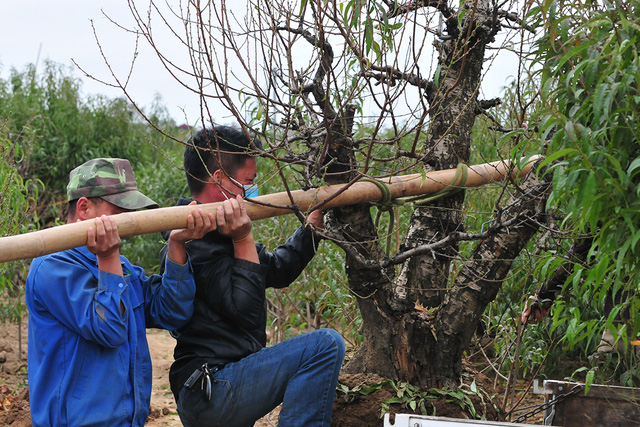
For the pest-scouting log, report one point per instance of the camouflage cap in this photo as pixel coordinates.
(111, 180)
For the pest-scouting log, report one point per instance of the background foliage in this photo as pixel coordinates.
(585, 65)
(64, 129)
(590, 83)
(17, 198)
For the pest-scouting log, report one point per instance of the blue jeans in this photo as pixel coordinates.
(301, 373)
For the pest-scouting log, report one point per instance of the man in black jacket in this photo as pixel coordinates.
(223, 374)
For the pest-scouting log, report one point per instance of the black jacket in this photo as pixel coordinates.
(230, 315)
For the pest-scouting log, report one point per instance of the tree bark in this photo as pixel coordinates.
(480, 279)
(404, 339)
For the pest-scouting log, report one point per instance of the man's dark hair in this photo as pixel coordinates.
(221, 147)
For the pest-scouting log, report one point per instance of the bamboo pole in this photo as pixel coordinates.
(72, 235)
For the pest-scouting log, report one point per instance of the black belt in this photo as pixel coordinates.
(205, 375)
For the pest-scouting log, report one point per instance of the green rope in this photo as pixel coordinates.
(387, 204)
(462, 174)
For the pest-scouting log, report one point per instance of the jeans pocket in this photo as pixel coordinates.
(198, 411)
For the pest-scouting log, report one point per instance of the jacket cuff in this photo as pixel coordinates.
(178, 271)
(311, 238)
(112, 282)
(251, 266)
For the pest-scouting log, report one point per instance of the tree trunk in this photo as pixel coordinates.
(403, 339)
(480, 279)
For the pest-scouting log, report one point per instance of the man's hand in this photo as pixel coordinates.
(535, 310)
(199, 223)
(233, 220)
(104, 241)
(316, 218)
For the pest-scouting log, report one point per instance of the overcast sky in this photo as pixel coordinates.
(59, 30)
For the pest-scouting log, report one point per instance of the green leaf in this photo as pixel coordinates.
(565, 152)
(635, 164)
(368, 34)
(436, 77)
(303, 4)
(588, 381)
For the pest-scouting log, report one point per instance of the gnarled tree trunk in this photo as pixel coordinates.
(418, 324)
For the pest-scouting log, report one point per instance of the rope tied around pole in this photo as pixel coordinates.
(388, 204)
(462, 174)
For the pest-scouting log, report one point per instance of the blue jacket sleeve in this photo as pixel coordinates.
(84, 303)
(168, 298)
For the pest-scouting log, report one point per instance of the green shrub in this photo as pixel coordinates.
(18, 200)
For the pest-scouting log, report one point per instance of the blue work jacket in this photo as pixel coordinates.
(89, 362)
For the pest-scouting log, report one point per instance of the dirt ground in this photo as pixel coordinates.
(350, 409)
(14, 393)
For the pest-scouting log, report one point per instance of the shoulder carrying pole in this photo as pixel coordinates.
(72, 235)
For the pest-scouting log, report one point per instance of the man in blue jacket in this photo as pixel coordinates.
(89, 308)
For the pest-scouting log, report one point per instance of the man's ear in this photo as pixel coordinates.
(83, 208)
(217, 176)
